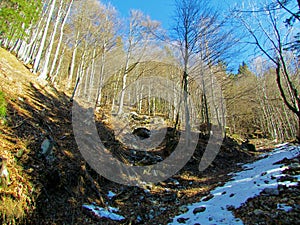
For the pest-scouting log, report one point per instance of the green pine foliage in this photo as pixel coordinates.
(3, 105)
(16, 16)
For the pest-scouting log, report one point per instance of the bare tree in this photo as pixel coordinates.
(188, 14)
(141, 32)
(44, 37)
(202, 43)
(271, 36)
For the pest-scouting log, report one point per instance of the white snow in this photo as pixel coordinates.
(284, 207)
(248, 183)
(111, 194)
(108, 213)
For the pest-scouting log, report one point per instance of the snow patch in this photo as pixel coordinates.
(111, 194)
(284, 207)
(100, 212)
(255, 178)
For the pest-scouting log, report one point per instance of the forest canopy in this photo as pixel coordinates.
(86, 49)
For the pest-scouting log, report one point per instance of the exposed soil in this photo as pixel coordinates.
(53, 190)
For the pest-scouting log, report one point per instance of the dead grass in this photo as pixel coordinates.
(45, 193)
(17, 199)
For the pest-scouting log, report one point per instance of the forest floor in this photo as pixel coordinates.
(59, 187)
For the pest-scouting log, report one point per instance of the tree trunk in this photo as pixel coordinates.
(70, 78)
(60, 38)
(298, 134)
(43, 41)
(124, 83)
(44, 73)
(101, 78)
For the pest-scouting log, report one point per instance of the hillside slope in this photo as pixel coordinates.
(40, 185)
(50, 182)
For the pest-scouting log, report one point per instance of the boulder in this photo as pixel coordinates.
(142, 132)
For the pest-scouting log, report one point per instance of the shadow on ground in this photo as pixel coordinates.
(62, 181)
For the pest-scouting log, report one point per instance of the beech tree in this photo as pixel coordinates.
(272, 36)
(58, 48)
(140, 34)
(202, 43)
(38, 57)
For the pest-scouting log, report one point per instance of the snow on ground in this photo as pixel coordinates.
(99, 212)
(256, 177)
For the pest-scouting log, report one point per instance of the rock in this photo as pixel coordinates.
(169, 197)
(139, 219)
(207, 198)
(258, 212)
(263, 173)
(246, 145)
(182, 220)
(183, 209)
(134, 116)
(151, 214)
(230, 207)
(199, 209)
(4, 174)
(294, 166)
(271, 191)
(142, 132)
(47, 146)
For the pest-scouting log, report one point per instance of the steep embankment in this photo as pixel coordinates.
(48, 182)
(40, 185)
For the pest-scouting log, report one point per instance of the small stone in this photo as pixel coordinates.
(230, 207)
(139, 219)
(46, 146)
(263, 174)
(258, 212)
(271, 191)
(183, 209)
(182, 220)
(294, 166)
(207, 198)
(199, 209)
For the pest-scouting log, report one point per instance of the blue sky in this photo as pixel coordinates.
(161, 10)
